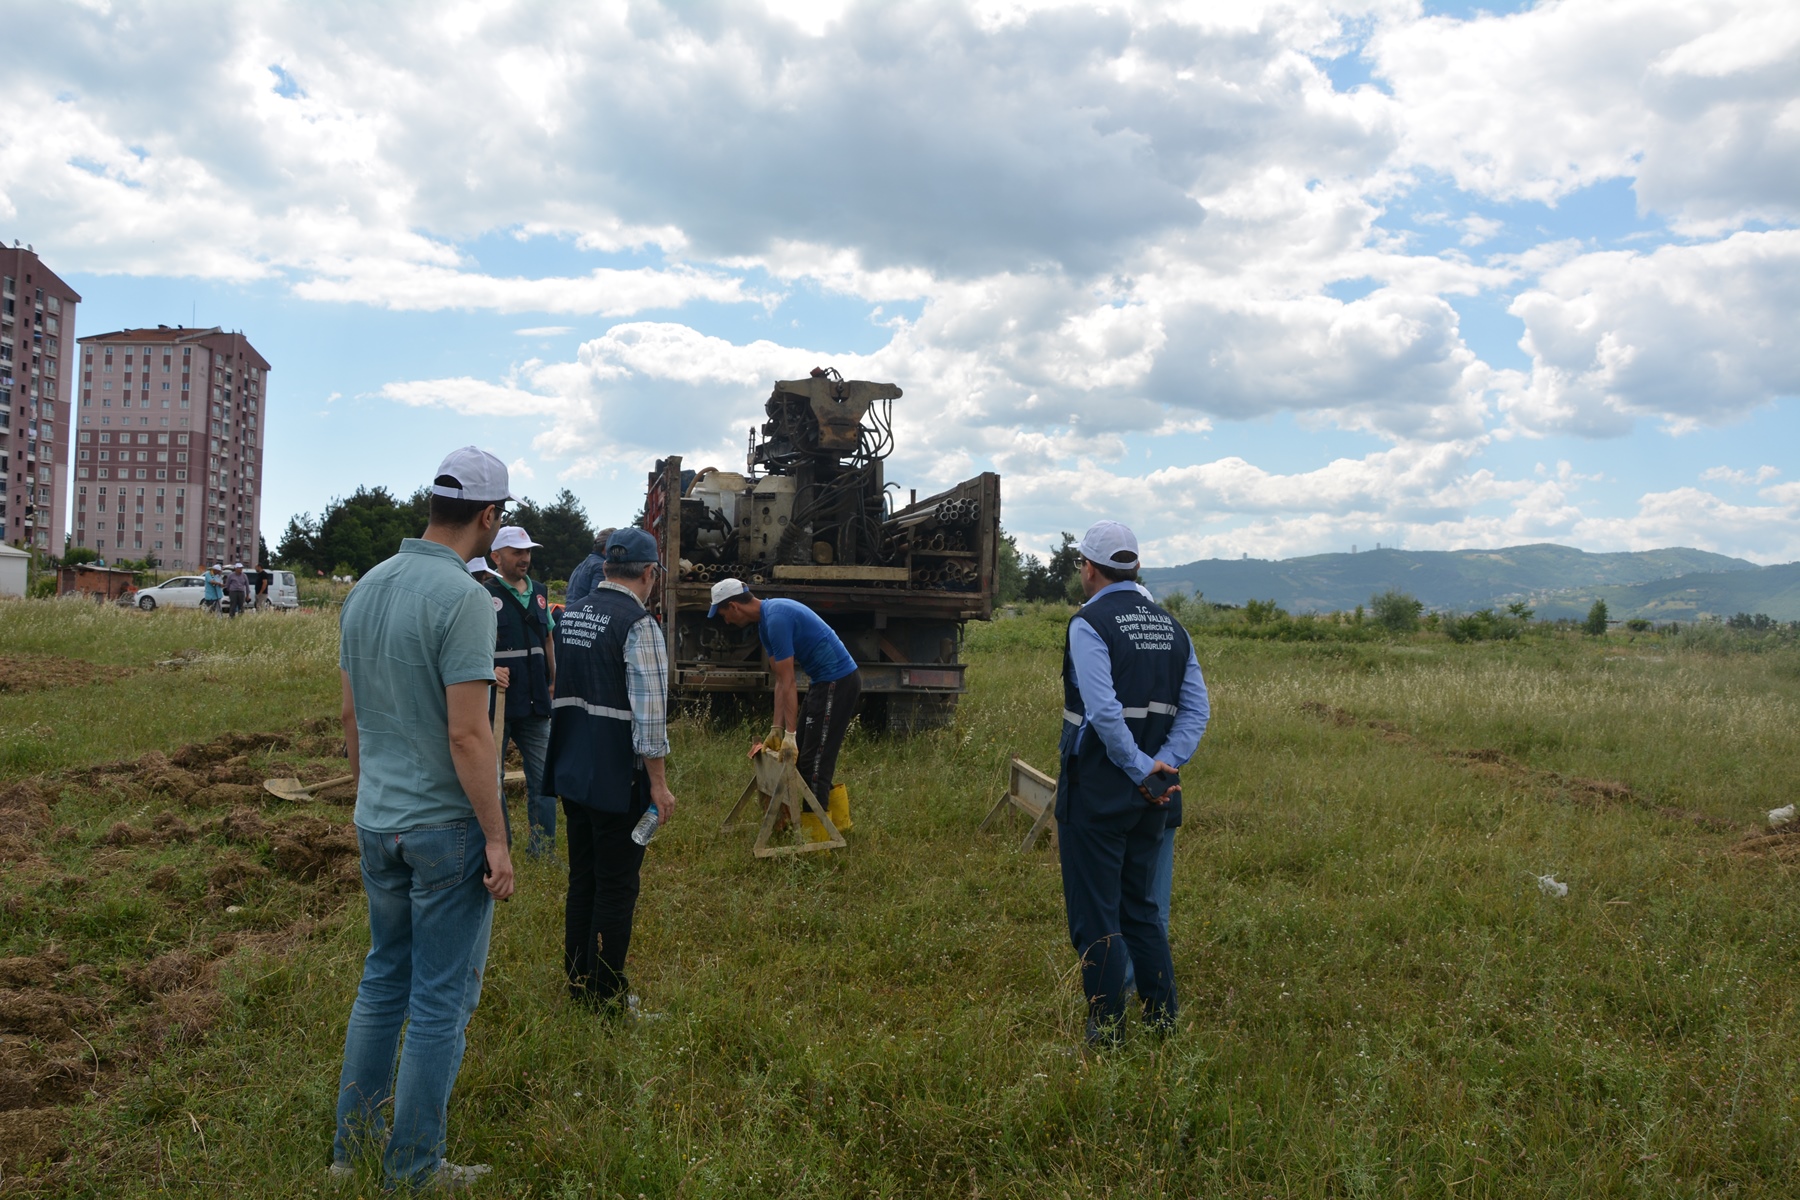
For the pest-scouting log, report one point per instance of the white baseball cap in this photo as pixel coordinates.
(472, 474)
(724, 590)
(478, 564)
(512, 537)
(1111, 545)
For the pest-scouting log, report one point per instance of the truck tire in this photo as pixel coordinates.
(909, 712)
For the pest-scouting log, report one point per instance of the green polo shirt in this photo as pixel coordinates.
(410, 628)
(524, 599)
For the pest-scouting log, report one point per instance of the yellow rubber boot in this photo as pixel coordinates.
(813, 828)
(839, 807)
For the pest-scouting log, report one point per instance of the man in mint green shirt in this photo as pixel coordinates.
(417, 660)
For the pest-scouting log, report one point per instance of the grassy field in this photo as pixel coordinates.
(1378, 999)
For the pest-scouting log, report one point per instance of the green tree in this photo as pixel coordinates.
(1011, 569)
(1396, 611)
(1596, 619)
(355, 532)
(79, 554)
(562, 526)
(1058, 579)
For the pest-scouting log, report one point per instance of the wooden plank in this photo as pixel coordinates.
(841, 573)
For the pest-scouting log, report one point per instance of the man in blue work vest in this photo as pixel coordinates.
(1134, 709)
(525, 665)
(607, 745)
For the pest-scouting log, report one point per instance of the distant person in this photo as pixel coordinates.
(237, 588)
(608, 748)
(261, 581)
(793, 633)
(214, 589)
(1134, 710)
(525, 662)
(587, 572)
(417, 659)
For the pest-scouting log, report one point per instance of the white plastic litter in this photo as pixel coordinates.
(1781, 816)
(1548, 885)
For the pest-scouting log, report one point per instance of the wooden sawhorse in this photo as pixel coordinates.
(777, 780)
(1031, 792)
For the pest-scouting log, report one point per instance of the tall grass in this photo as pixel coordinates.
(1378, 1000)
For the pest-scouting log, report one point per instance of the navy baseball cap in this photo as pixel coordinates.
(631, 545)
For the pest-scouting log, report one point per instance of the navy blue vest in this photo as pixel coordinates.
(1149, 651)
(591, 760)
(521, 630)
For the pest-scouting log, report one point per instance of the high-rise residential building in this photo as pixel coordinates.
(37, 359)
(168, 450)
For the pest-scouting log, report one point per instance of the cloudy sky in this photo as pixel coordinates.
(1263, 278)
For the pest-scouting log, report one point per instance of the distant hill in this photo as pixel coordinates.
(1463, 580)
(1771, 590)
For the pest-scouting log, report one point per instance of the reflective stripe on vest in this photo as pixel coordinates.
(1155, 706)
(500, 654)
(593, 710)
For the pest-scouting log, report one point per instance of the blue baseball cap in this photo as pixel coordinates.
(631, 545)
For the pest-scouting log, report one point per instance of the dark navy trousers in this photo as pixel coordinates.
(1109, 890)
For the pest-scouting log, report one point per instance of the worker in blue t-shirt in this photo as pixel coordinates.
(793, 633)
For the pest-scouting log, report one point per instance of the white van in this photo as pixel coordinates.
(283, 592)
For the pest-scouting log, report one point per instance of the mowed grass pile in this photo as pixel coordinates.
(1378, 999)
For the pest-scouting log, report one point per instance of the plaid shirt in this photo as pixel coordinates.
(646, 683)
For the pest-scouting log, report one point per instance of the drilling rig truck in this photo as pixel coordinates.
(814, 519)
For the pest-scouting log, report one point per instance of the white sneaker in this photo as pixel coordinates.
(637, 1016)
(340, 1173)
(449, 1177)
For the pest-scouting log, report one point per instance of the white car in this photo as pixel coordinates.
(183, 591)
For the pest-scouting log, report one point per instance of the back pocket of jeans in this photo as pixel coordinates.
(435, 853)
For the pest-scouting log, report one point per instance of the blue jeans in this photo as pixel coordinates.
(532, 736)
(429, 920)
(1161, 883)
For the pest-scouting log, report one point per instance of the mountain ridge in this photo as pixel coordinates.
(1553, 578)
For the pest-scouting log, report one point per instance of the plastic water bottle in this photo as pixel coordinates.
(645, 829)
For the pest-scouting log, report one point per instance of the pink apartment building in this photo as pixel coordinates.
(37, 348)
(168, 451)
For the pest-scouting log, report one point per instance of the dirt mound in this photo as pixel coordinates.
(225, 795)
(182, 1016)
(41, 1013)
(236, 769)
(31, 1135)
(38, 672)
(314, 848)
(172, 972)
(37, 970)
(25, 805)
(242, 825)
(156, 774)
(123, 834)
(229, 876)
(1782, 847)
(227, 746)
